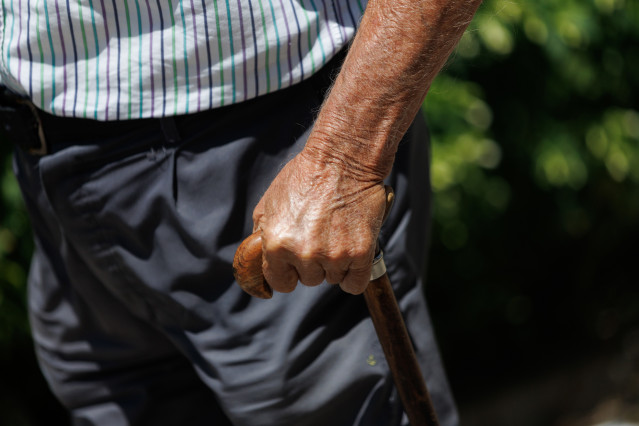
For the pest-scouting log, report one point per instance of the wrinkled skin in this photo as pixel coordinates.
(321, 215)
(318, 223)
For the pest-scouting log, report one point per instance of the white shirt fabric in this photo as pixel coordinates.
(126, 59)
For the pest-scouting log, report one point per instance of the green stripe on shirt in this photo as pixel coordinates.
(97, 60)
(228, 13)
(42, 91)
(53, 78)
(317, 23)
(140, 63)
(128, 27)
(279, 47)
(86, 62)
(310, 42)
(220, 52)
(32, 39)
(174, 61)
(268, 68)
(186, 58)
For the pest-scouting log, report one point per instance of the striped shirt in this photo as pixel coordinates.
(126, 59)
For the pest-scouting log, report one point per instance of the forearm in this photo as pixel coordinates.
(320, 217)
(400, 47)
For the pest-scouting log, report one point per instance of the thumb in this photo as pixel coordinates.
(356, 280)
(258, 214)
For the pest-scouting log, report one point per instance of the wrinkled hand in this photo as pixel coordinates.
(319, 221)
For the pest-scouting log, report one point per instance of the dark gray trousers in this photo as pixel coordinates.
(135, 314)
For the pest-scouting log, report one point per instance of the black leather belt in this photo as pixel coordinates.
(39, 133)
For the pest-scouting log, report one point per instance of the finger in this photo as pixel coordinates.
(310, 273)
(335, 276)
(356, 280)
(280, 275)
(258, 213)
(336, 269)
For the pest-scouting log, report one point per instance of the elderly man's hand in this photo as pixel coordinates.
(319, 221)
(320, 217)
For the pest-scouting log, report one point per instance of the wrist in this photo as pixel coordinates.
(361, 123)
(358, 151)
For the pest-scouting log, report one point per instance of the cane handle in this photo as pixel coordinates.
(247, 264)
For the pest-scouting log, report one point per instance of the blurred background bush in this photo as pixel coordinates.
(533, 280)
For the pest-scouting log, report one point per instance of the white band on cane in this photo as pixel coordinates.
(379, 267)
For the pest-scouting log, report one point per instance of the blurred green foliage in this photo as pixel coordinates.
(15, 250)
(535, 129)
(24, 397)
(535, 172)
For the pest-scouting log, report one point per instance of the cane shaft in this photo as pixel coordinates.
(387, 319)
(399, 352)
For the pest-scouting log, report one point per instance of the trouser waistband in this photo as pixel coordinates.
(40, 133)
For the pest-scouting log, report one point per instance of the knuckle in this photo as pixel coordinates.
(362, 255)
(273, 243)
(338, 255)
(308, 253)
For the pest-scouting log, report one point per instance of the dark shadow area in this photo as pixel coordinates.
(25, 398)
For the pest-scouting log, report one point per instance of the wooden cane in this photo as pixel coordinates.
(387, 319)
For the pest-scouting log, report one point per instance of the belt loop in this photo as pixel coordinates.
(170, 130)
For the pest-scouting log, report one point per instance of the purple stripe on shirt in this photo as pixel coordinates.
(119, 52)
(350, 13)
(30, 53)
(244, 72)
(197, 57)
(340, 20)
(299, 41)
(75, 59)
(19, 34)
(108, 55)
(288, 46)
(148, 8)
(208, 53)
(328, 21)
(162, 58)
(257, 81)
(64, 58)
